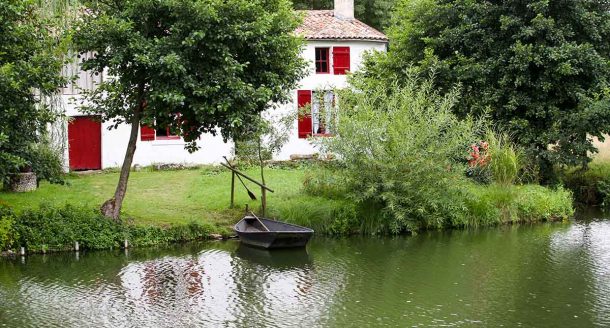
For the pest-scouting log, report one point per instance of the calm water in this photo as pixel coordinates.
(533, 276)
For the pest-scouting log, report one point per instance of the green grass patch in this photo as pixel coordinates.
(164, 198)
(499, 204)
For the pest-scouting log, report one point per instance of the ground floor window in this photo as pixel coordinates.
(165, 133)
(317, 113)
(322, 112)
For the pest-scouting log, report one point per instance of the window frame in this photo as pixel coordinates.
(168, 135)
(320, 61)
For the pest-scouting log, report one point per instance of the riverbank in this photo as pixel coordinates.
(182, 205)
(590, 187)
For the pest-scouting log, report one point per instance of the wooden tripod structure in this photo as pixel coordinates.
(264, 188)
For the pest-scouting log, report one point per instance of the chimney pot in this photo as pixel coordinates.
(344, 9)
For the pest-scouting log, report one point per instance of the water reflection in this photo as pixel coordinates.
(542, 275)
(280, 259)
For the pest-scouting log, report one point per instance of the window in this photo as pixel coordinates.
(322, 60)
(150, 134)
(317, 113)
(165, 134)
(322, 112)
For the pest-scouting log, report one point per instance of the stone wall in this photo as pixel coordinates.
(22, 182)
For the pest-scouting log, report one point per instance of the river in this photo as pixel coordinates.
(544, 275)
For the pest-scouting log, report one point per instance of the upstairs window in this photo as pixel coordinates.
(322, 60)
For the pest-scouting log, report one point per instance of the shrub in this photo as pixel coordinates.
(402, 150)
(7, 233)
(57, 228)
(50, 227)
(46, 162)
(505, 158)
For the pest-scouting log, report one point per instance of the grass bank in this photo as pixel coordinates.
(483, 205)
(170, 206)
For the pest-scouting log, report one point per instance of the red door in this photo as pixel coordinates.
(85, 143)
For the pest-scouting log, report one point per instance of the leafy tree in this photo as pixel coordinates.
(30, 66)
(375, 13)
(541, 68)
(195, 66)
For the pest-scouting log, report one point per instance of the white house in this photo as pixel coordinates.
(335, 44)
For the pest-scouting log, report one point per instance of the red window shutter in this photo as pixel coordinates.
(146, 133)
(341, 60)
(305, 125)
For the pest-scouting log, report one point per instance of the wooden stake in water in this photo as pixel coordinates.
(22, 252)
(126, 244)
(76, 246)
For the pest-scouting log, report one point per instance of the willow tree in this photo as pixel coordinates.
(194, 66)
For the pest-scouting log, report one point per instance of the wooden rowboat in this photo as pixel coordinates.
(266, 233)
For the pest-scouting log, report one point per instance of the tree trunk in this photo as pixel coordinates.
(112, 207)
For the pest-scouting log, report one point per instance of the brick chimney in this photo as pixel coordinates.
(344, 9)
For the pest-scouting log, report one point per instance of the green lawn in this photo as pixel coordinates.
(166, 197)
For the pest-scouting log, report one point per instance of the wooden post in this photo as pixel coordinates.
(262, 164)
(76, 246)
(232, 189)
(264, 200)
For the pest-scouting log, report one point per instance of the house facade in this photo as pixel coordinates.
(335, 45)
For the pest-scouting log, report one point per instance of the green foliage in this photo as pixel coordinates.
(269, 132)
(474, 205)
(57, 228)
(7, 234)
(541, 66)
(500, 203)
(216, 63)
(402, 149)
(46, 162)
(30, 66)
(375, 13)
(326, 216)
(154, 235)
(590, 186)
(505, 158)
(50, 227)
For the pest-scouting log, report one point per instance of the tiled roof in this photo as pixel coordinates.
(323, 25)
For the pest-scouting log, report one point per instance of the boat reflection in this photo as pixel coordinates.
(280, 259)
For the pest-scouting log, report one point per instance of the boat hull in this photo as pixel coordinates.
(253, 231)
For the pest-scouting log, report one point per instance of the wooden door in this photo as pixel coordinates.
(85, 143)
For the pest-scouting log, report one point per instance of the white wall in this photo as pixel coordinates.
(114, 142)
(320, 81)
(114, 145)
